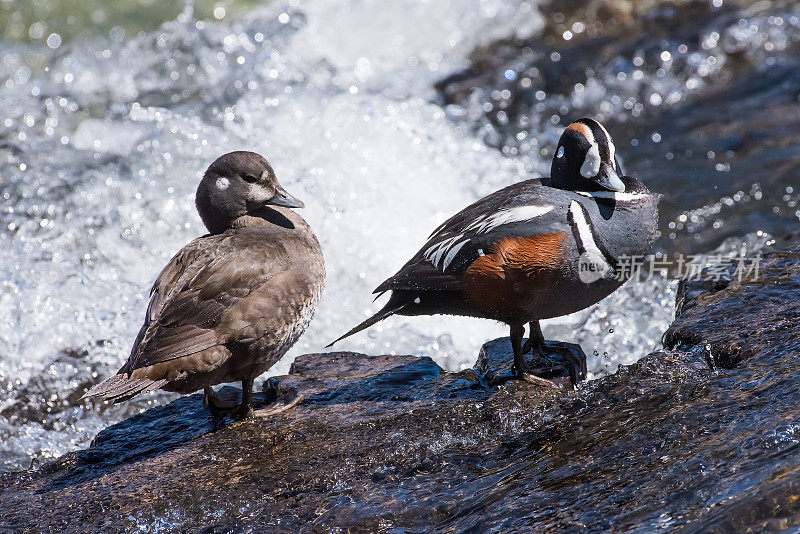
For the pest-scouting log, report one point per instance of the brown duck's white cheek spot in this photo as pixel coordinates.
(222, 183)
(259, 193)
(560, 153)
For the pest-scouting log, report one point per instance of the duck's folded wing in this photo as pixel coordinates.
(476, 231)
(193, 292)
(503, 198)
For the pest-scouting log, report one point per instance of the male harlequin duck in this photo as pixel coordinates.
(537, 249)
(232, 302)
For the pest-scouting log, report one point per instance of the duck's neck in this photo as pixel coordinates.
(245, 221)
(267, 216)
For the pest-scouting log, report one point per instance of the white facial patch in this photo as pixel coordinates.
(591, 162)
(560, 153)
(259, 193)
(222, 183)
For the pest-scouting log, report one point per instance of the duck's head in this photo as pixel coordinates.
(585, 159)
(238, 184)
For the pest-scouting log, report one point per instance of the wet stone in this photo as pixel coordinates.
(563, 364)
(734, 320)
(379, 419)
(394, 443)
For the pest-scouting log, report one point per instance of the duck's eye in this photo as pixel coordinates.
(249, 178)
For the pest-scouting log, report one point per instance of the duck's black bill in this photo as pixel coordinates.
(284, 199)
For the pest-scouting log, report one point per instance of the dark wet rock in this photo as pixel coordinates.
(737, 319)
(393, 443)
(563, 364)
(368, 423)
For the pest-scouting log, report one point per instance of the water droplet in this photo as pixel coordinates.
(54, 41)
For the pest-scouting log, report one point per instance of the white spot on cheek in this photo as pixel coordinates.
(591, 163)
(560, 153)
(222, 183)
(259, 193)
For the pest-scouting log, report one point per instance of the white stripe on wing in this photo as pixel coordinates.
(487, 223)
(444, 252)
(451, 255)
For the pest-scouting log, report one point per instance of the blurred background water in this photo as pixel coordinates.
(384, 117)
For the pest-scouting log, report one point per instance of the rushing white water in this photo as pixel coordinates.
(103, 149)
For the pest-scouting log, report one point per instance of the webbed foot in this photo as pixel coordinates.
(237, 410)
(214, 404)
(243, 411)
(266, 412)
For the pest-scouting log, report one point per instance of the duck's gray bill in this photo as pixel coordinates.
(609, 179)
(284, 199)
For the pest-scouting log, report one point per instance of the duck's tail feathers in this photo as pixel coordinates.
(122, 387)
(391, 308)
